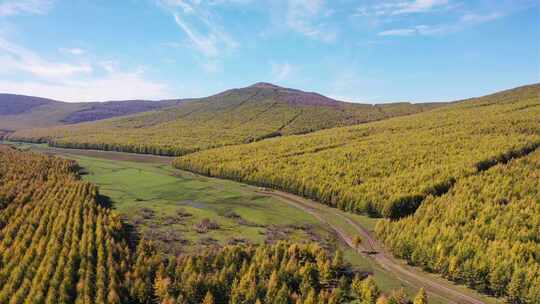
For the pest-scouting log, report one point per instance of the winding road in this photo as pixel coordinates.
(371, 248)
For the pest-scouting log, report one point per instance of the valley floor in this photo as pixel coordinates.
(168, 205)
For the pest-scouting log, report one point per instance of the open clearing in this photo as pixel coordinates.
(181, 210)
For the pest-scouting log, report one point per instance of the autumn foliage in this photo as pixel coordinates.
(60, 244)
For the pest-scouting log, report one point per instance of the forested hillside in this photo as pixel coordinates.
(19, 112)
(233, 117)
(386, 168)
(57, 243)
(60, 244)
(483, 232)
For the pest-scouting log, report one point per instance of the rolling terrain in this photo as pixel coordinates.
(386, 168)
(25, 112)
(232, 117)
(148, 195)
(61, 243)
(456, 184)
(470, 169)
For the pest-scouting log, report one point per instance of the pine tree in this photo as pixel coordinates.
(161, 287)
(421, 297)
(515, 287)
(311, 297)
(272, 287)
(208, 298)
(356, 286)
(282, 296)
(369, 291)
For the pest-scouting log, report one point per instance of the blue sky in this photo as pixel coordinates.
(362, 51)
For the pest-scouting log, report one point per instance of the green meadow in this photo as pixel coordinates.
(177, 208)
(134, 188)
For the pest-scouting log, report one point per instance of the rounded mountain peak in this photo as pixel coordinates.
(265, 85)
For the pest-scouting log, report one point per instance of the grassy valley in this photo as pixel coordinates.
(62, 242)
(456, 186)
(233, 117)
(269, 152)
(184, 212)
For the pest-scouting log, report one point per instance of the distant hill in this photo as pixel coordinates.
(16, 104)
(235, 116)
(19, 112)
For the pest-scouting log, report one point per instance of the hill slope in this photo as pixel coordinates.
(484, 232)
(387, 167)
(24, 112)
(471, 168)
(232, 117)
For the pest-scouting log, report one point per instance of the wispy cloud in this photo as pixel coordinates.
(212, 66)
(393, 8)
(205, 44)
(72, 51)
(472, 18)
(303, 16)
(109, 66)
(282, 71)
(18, 58)
(73, 81)
(466, 21)
(197, 23)
(116, 86)
(399, 32)
(15, 7)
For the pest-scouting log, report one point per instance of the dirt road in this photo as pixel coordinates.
(371, 248)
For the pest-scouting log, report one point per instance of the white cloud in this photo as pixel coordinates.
(303, 16)
(200, 27)
(398, 32)
(393, 8)
(282, 71)
(205, 44)
(212, 66)
(108, 65)
(184, 5)
(16, 58)
(467, 20)
(15, 7)
(73, 81)
(476, 18)
(419, 6)
(72, 51)
(116, 86)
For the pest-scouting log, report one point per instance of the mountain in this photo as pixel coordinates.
(16, 104)
(459, 186)
(235, 116)
(24, 112)
(387, 167)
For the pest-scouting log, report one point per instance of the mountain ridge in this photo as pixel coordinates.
(233, 116)
(24, 111)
